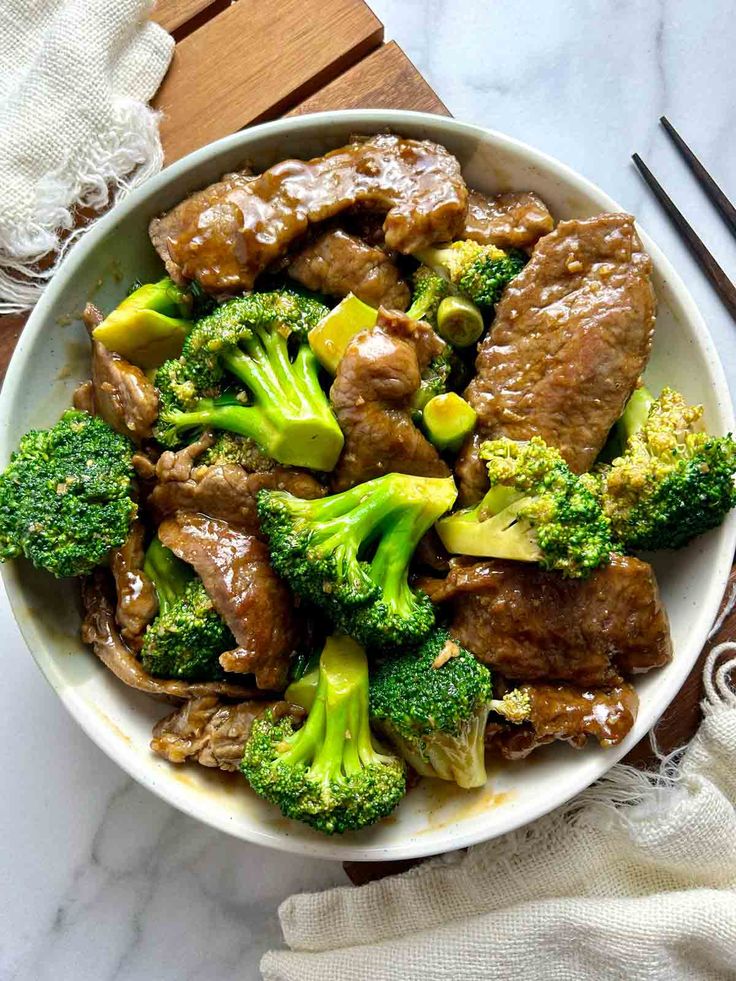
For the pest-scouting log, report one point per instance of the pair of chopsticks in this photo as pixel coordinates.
(720, 281)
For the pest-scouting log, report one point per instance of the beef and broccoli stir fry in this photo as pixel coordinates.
(359, 485)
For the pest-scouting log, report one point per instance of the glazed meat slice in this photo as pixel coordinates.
(534, 625)
(514, 220)
(120, 393)
(222, 490)
(570, 714)
(227, 234)
(371, 395)
(212, 200)
(337, 264)
(244, 590)
(571, 337)
(212, 732)
(137, 603)
(100, 631)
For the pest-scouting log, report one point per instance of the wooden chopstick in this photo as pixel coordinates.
(720, 281)
(719, 199)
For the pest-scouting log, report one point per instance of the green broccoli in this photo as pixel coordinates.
(188, 635)
(479, 272)
(672, 482)
(429, 290)
(237, 373)
(536, 510)
(330, 773)
(448, 420)
(434, 382)
(149, 325)
(455, 318)
(432, 705)
(515, 706)
(66, 497)
(349, 553)
(229, 448)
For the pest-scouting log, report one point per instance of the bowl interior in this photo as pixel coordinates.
(52, 358)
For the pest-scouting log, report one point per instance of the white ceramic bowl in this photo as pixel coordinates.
(52, 357)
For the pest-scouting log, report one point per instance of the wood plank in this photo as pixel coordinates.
(11, 326)
(220, 80)
(386, 79)
(171, 14)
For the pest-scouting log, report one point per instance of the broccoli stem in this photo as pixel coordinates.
(169, 575)
(636, 412)
(459, 321)
(393, 553)
(336, 739)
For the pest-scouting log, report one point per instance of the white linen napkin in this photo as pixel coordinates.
(602, 889)
(75, 130)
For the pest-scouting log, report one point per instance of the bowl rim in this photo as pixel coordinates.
(113, 744)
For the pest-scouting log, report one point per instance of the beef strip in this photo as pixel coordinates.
(571, 337)
(212, 732)
(244, 590)
(227, 234)
(514, 220)
(137, 603)
(83, 398)
(570, 714)
(223, 490)
(100, 631)
(371, 395)
(121, 394)
(337, 264)
(533, 625)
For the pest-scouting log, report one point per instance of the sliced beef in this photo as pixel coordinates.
(212, 732)
(533, 625)
(571, 337)
(100, 631)
(245, 591)
(121, 394)
(227, 234)
(562, 712)
(372, 394)
(137, 603)
(83, 398)
(514, 220)
(223, 490)
(336, 263)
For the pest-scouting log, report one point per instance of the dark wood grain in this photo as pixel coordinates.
(221, 78)
(386, 79)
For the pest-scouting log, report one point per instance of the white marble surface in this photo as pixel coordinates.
(101, 880)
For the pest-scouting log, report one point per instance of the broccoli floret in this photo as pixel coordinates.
(455, 318)
(66, 497)
(433, 705)
(429, 290)
(330, 773)
(672, 482)
(238, 373)
(479, 272)
(188, 635)
(229, 448)
(349, 553)
(434, 382)
(515, 706)
(536, 510)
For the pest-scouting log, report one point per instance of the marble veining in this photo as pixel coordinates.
(102, 881)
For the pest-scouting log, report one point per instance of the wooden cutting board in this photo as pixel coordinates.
(246, 61)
